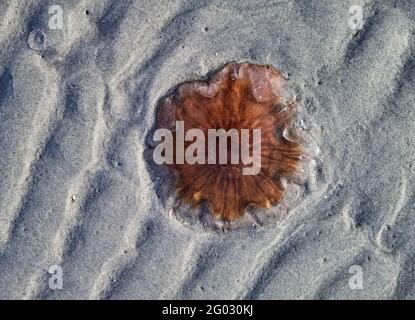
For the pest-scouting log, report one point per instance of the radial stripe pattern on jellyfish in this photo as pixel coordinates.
(239, 96)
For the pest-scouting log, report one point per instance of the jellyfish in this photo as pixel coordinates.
(239, 98)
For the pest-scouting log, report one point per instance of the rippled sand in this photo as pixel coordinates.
(76, 107)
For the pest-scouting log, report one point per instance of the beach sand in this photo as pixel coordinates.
(79, 98)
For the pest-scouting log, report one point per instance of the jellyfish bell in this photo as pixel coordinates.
(236, 102)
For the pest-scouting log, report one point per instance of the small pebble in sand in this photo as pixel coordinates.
(37, 40)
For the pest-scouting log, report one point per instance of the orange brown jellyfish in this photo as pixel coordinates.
(239, 96)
